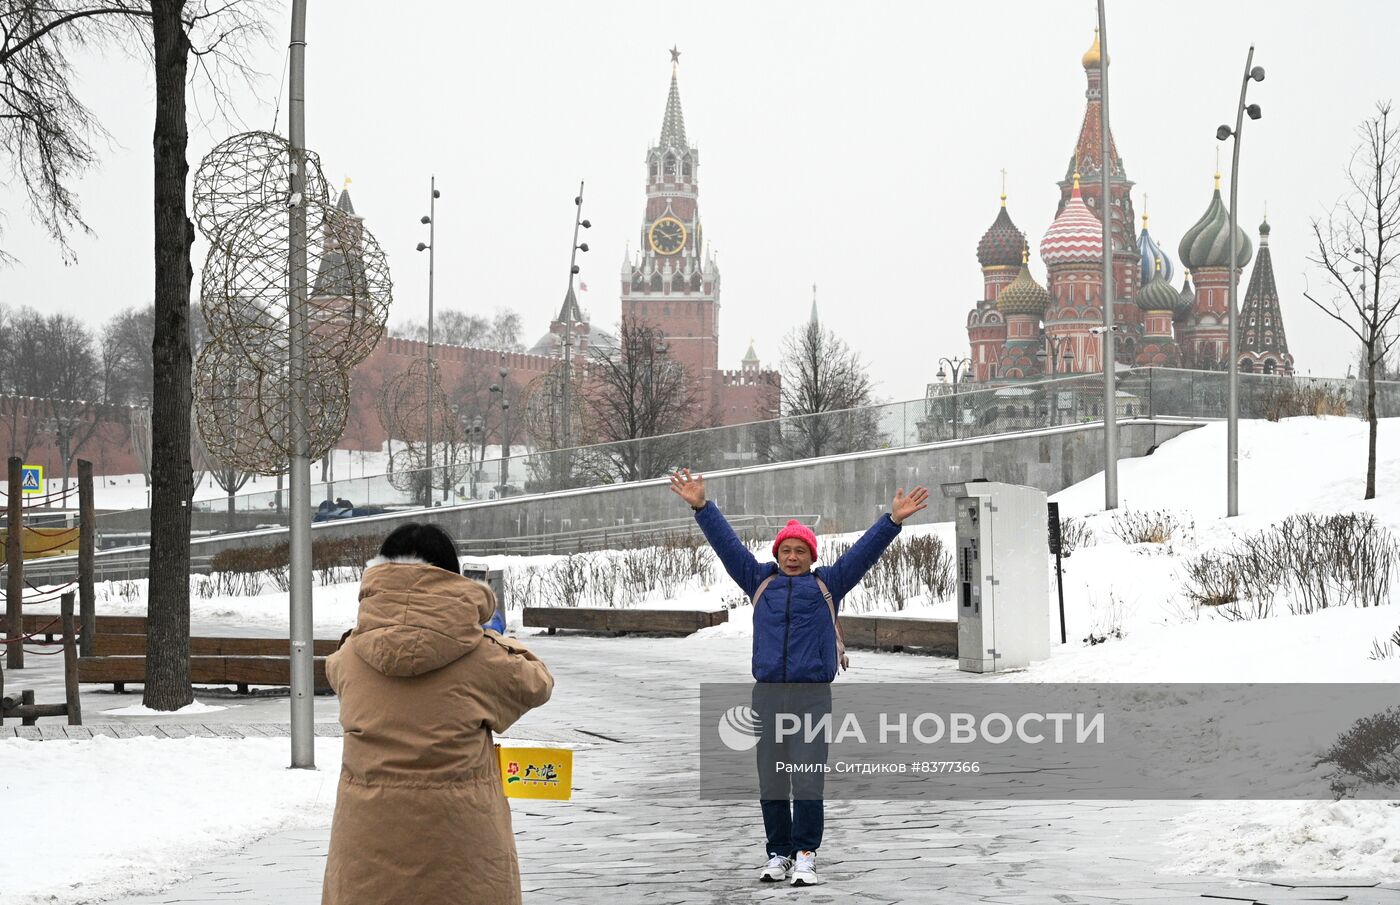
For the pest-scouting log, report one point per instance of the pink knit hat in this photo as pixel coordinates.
(796, 529)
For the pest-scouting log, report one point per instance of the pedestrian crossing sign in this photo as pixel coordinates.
(31, 479)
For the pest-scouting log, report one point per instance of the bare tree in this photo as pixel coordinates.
(826, 392)
(127, 372)
(637, 393)
(502, 330)
(70, 385)
(1359, 245)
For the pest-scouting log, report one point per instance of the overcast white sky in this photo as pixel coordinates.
(854, 145)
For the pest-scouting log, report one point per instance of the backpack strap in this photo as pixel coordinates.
(763, 586)
(841, 657)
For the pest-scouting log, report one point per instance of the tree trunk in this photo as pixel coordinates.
(229, 520)
(1372, 425)
(172, 477)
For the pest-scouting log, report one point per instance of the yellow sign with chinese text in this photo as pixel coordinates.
(537, 772)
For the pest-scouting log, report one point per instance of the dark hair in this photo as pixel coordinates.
(427, 542)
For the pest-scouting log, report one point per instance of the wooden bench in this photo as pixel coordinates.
(621, 620)
(48, 626)
(204, 670)
(129, 645)
(885, 632)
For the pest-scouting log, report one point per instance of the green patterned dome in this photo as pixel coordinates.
(1024, 295)
(1157, 295)
(1207, 244)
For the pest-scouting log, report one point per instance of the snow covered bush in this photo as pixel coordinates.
(1367, 756)
(611, 578)
(1305, 563)
(1138, 526)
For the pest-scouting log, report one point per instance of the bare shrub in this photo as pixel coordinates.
(1366, 755)
(202, 586)
(1139, 526)
(1305, 562)
(1386, 650)
(565, 582)
(1107, 621)
(909, 567)
(1074, 533)
(1286, 398)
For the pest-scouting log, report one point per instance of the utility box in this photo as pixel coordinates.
(1003, 575)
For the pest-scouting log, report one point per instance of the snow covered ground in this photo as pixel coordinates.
(214, 796)
(1128, 594)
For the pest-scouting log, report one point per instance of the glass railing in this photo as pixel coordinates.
(973, 411)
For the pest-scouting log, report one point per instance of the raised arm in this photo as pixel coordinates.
(844, 574)
(736, 558)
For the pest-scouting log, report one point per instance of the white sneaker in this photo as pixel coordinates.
(778, 868)
(805, 872)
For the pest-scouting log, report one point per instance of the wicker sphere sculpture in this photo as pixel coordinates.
(249, 170)
(244, 415)
(244, 296)
(544, 418)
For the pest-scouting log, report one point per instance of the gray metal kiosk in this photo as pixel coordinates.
(1003, 575)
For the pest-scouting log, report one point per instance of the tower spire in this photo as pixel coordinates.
(673, 124)
(814, 304)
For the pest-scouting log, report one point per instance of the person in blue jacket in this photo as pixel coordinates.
(796, 642)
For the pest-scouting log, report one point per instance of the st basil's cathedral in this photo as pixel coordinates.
(1022, 330)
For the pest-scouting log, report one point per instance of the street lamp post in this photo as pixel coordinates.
(956, 365)
(1059, 346)
(431, 222)
(505, 423)
(1252, 73)
(566, 427)
(1110, 381)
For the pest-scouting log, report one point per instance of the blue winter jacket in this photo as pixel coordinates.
(793, 638)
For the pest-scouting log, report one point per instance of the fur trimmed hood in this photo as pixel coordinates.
(415, 618)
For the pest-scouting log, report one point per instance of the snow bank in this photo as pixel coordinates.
(1336, 841)
(108, 817)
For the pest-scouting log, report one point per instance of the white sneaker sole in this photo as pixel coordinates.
(801, 879)
(769, 876)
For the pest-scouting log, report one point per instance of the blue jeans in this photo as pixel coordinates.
(793, 810)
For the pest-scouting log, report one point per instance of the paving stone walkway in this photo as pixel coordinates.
(636, 832)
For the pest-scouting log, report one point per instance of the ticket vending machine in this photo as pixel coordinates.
(1003, 577)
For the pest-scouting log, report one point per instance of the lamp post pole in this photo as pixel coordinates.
(955, 365)
(299, 519)
(1232, 410)
(1110, 389)
(431, 221)
(566, 427)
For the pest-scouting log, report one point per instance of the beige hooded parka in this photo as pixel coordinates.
(420, 817)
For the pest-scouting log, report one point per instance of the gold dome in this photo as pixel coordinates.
(1091, 56)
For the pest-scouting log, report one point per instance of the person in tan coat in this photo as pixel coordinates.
(420, 815)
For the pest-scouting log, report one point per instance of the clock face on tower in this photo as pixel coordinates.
(667, 236)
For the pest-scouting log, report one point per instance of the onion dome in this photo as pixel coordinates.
(1002, 243)
(1185, 299)
(1264, 230)
(1158, 294)
(1023, 295)
(1207, 244)
(1076, 236)
(1091, 56)
(1153, 256)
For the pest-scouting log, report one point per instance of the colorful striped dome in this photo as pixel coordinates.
(1024, 295)
(1002, 243)
(1153, 256)
(1076, 236)
(1158, 294)
(1207, 244)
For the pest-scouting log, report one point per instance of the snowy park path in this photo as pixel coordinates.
(635, 831)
